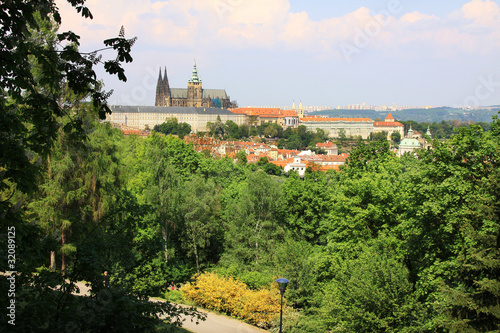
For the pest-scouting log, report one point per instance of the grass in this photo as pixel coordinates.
(175, 296)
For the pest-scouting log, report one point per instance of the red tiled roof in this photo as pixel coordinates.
(387, 124)
(256, 111)
(333, 158)
(389, 117)
(265, 112)
(328, 144)
(315, 118)
(281, 164)
(289, 113)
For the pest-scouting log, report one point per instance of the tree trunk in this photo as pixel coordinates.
(195, 253)
(165, 240)
(52, 261)
(63, 256)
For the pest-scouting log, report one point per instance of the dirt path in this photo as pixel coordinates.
(214, 324)
(220, 324)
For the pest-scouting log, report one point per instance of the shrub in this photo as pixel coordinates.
(233, 297)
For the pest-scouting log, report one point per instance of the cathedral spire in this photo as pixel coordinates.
(428, 133)
(410, 132)
(293, 106)
(159, 90)
(194, 75)
(300, 111)
(165, 82)
(159, 76)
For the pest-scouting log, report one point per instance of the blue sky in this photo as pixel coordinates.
(320, 52)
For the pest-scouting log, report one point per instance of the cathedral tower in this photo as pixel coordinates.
(159, 90)
(300, 111)
(193, 96)
(195, 90)
(163, 96)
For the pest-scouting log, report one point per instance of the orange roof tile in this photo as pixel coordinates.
(328, 144)
(387, 124)
(318, 119)
(281, 164)
(289, 113)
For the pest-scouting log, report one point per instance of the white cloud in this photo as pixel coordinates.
(248, 24)
(259, 12)
(416, 16)
(482, 12)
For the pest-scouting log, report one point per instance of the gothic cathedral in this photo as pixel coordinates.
(193, 96)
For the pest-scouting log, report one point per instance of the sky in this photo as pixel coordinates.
(321, 52)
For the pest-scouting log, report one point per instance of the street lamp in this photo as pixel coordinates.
(282, 282)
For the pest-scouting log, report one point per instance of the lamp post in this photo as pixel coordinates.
(282, 282)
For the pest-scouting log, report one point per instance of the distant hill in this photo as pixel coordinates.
(419, 115)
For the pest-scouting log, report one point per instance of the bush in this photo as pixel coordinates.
(174, 296)
(233, 297)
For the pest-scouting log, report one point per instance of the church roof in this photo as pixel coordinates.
(194, 75)
(410, 142)
(179, 92)
(207, 93)
(168, 110)
(289, 113)
(215, 93)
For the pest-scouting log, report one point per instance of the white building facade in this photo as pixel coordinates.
(142, 117)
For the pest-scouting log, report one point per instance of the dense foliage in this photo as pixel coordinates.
(388, 244)
(65, 213)
(172, 126)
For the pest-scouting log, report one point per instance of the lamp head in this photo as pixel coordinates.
(282, 282)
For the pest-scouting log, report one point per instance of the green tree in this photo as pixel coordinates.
(233, 130)
(78, 187)
(373, 293)
(455, 229)
(294, 142)
(172, 126)
(160, 167)
(287, 133)
(378, 136)
(306, 206)
(31, 115)
(241, 156)
(396, 137)
(269, 168)
(368, 156)
(251, 210)
(217, 128)
(244, 130)
(342, 136)
(270, 131)
(199, 208)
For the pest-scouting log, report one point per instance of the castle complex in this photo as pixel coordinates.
(198, 107)
(193, 96)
